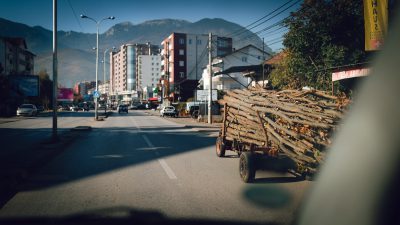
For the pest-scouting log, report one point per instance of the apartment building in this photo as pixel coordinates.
(124, 70)
(15, 59)
(149, 72)
(183, 58)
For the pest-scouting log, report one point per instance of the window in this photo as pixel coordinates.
(181, 63)
(198, 42)
(244, 59)
(190, 41)
(181, 52)
(182, 74)
(181, 41)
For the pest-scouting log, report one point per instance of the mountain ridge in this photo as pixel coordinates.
(77, 58)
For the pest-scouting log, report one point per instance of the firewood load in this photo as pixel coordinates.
(299, 124)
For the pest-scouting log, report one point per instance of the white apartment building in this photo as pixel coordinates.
(104, 88)
(124, 70)
(149, 72)
(246, 56)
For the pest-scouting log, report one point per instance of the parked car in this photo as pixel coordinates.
(122, 108)
(169, 111)
(27, 110)
(74, 108)
(40, 108)
(194, 111)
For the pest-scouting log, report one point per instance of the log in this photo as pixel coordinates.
(296, 123)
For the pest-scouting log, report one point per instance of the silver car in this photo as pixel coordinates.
(27, 110)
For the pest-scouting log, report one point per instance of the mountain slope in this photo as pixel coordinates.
(76, 55)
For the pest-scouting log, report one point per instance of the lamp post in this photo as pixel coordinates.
(97, 54)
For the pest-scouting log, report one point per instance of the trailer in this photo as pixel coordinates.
(287, 126)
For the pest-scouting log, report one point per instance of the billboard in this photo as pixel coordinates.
(340, 75)
(375, 23)
(65, 94)
(202, 95)
(25, 85)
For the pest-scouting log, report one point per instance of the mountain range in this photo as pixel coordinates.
(76, 57)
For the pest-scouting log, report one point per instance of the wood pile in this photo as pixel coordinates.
(296, 123)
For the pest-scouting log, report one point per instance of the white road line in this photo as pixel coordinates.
(162, 162)
(167, 169)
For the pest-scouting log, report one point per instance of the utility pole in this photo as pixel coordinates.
(55, 77)
(195, 90)
(263, 72)
(210, 73)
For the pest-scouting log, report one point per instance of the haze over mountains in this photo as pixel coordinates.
(76, 55)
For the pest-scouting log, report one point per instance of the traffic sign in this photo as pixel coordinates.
(96, 94)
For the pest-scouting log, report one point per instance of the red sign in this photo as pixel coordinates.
(65, 94)
(350, 74)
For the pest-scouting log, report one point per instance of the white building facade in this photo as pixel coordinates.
(246, 56)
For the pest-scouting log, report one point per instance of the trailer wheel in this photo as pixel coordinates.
(247, 167)
(220, 147)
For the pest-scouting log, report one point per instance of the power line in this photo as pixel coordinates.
(244, 28)
(78, 21)
(269, 18)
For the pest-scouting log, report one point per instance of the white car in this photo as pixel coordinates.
(27, 110)
(168, 111)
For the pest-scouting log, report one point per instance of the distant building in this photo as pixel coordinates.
(124, 70)
(149, 73)
(15, 59)
(183, 58)
(82, 88)
(104, 88)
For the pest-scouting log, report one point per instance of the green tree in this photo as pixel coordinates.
(322, 34)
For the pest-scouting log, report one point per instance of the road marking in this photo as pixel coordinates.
(167, 169)
(162, 162)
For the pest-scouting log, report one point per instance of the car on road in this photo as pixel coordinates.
(27, 110)
(169, 111)
(74, 108)
(122, 108)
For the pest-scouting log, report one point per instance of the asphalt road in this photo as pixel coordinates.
(140, 162)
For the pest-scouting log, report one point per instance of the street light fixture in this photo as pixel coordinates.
(97, 53)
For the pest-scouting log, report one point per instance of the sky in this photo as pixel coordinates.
(242, 12)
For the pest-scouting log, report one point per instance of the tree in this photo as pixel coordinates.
(46, 89)
(322, 34)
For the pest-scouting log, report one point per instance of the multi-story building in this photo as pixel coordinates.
(15, 59)
(124, 70)
(183, 58)
(83, 87)
(149, 73)
(104, 88)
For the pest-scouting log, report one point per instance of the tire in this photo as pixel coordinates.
(247, 169)
(220, 147)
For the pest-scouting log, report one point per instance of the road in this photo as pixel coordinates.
(136, 161)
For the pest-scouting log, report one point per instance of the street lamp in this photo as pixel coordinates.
(97, 52)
